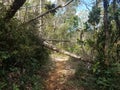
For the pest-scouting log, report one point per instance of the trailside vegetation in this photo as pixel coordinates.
(104, 72)
(22, 55)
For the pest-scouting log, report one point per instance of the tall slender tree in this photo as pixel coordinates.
(106, 29)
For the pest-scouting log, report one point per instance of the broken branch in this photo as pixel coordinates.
(60, 6)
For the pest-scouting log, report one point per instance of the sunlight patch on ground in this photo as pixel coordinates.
(66, 72)
(59, 58)
(62, 71)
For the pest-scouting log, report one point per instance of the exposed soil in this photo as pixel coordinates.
(62, 71)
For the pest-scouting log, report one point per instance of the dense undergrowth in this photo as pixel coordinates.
(22, 56)
(103, 73)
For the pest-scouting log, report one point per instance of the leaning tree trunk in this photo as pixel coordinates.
(13, 9)
(52, 47)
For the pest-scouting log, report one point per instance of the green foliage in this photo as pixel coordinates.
(94, 16)
(50, 6)
(73, 22)
(21, 56)
(103, 73)
(84, 77)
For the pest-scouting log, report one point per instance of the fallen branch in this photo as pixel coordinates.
(57, 40)
(60, 6)
(52, 47)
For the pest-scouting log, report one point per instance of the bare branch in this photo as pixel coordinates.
(60, 6)
(67, 3)
(57, 40)
(52, 47)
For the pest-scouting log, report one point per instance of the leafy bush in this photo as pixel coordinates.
(21, 56)
(104, 74)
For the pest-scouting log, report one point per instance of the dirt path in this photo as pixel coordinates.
(59, 75)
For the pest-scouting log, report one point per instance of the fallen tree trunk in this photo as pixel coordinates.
(52, 47)
(57, 40)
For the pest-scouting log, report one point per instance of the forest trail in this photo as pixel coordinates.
(61, 72)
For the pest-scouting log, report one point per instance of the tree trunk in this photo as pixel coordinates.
(116, 17)
(117, 22)
(57, 40)
(13, 9)
(106, 29)
(52, 47)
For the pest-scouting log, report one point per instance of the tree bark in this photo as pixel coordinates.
(106, 31)
(13, 9)
(57, 40)
(52, 47)
(117, 21)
